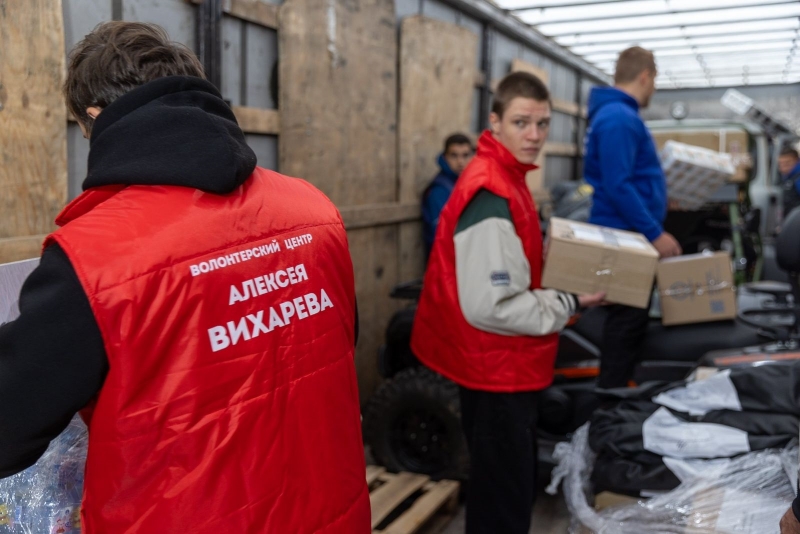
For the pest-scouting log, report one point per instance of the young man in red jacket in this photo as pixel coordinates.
(198, 309)
(483, 320)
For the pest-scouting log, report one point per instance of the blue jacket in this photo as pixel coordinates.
(793, 178)
(433, 200)
(622, 164)
(791, 190)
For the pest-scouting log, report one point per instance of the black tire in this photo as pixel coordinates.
(413, 423)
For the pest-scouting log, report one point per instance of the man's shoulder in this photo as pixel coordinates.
(483, 206)
(617, 115)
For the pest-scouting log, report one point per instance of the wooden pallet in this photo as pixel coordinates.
(414, 503)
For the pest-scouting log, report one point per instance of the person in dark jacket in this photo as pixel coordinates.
(789, 167)
(457, 153)
(630, 193)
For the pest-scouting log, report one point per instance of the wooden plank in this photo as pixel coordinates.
(256, 11)
(386, 498)
(339, 131)
(423, 508)
(258, 120)
(373, 472)
(374, 254)
(560, 149)
(437, 74)
(21, 248)
(518, 65)
(379, 214)
(437, 524)
(33, 120)
(563, 106)
(338, 111)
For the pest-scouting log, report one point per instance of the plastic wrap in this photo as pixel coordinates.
(747, 495)
(46, 497)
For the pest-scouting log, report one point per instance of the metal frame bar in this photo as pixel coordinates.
(569, 4)
(700, 35)
(686, 44)
(669, 60)
(487, 60)
(576, 125)
(730, 74)
(209, 39)
(727, 74)
(763, 3)
(670, 26)
(693, 50)
(721, 71)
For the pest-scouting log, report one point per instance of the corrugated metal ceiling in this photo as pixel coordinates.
(698, 43)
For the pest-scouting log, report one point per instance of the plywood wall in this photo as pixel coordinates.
(437, 75)
(33, 142)
(338, 110)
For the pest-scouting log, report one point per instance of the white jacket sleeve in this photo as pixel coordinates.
(494, 276)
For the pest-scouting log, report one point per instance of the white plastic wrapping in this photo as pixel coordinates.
(46, 497)
(747, 495)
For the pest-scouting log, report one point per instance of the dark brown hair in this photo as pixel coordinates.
(456, 139)
(519, 84)
(789, 151)
(632, 62)
(117, 57)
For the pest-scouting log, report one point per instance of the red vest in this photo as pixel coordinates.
(442, 339)
(231, 403)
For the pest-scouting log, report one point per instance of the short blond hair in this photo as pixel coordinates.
(632, 62)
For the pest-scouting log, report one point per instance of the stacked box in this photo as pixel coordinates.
(694, 174)
(696, 288)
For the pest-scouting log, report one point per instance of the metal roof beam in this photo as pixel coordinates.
(783, 44)
(699, 35)
(568, 4)
(763, 3)
(686, 44)
(777, 70)
(670, 26)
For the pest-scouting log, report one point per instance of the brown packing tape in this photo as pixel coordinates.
(697, 289)
(605, 271)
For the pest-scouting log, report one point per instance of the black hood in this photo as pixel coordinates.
(171, 131)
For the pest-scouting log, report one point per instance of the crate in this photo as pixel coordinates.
(407, 503)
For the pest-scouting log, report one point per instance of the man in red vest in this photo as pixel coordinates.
(483, 320)
(198, 309)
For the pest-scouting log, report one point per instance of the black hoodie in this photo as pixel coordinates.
(172, 131)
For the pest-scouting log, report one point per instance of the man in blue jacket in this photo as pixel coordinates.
(789, 167)
(630, 193)
(457, 153)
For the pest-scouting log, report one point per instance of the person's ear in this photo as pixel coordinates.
(93, 112)
(494, 122)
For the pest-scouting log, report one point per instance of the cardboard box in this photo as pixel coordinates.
(584, 258)
(720, 140)
(744, 169)
(728, 140)
(609, 499)
(694, 174)
(696, 288)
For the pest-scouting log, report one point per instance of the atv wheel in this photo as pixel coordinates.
(413, 423)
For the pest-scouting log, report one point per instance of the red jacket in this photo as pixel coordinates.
(231, 403)
(442, 339)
